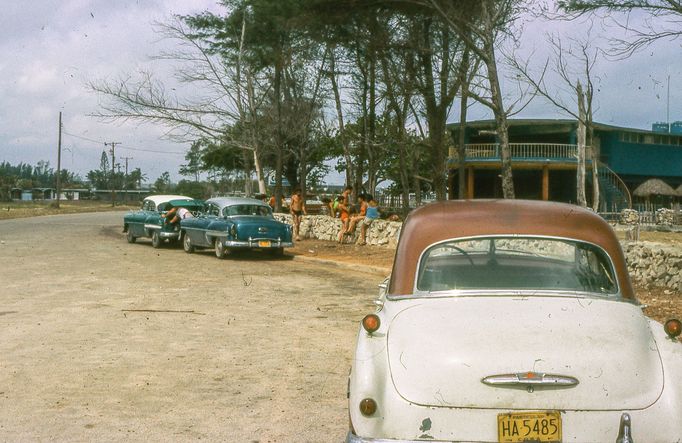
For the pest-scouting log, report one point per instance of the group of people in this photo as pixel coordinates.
(362, 214)
(367, 211)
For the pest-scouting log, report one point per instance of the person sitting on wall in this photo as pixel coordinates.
(344, 215)
(355, 219)
(372, 213)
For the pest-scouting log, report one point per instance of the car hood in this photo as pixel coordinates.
(440, 350)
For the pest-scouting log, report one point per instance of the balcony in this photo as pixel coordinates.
(523, 152)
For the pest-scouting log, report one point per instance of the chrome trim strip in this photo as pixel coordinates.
(529, 378)
(147, 226)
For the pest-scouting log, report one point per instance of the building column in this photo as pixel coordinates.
(545, 182)
(470, 183)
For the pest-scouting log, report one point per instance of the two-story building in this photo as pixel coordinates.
(544, 160)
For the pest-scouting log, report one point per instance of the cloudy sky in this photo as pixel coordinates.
(50, 49)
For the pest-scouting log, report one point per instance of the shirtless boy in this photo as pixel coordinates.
(297, 209)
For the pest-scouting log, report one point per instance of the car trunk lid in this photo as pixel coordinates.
(440, 351)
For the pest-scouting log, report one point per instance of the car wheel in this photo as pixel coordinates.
(156, 239)
(220, 250)
(187, 244)
(129, 236)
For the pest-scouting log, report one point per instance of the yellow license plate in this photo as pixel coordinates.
(529, 426)
(264, 243)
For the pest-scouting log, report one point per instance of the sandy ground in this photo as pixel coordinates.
(108, 341)
(101, 340)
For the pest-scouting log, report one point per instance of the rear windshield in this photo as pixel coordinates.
(516, 263)
(263, 211)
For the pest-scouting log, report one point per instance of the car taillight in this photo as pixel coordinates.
(673, 328)
(368, 407)
(371, 323)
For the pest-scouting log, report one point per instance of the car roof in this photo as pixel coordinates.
(452, 219)
(229, 201)
(193, 204)
(165, 198)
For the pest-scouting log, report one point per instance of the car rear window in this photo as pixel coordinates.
(516, 263)
(263, 211)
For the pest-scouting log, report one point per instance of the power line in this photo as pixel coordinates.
(99, 142)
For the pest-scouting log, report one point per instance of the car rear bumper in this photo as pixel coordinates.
(624, 435)
(261, 243)
(175, 234)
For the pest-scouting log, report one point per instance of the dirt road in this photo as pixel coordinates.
(108, 341)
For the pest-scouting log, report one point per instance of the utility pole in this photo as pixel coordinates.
(59, 160)
(125, 181)
(113, 170)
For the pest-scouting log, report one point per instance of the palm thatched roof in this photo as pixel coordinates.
(654, 186)
(679, 191)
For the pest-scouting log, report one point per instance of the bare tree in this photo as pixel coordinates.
(482, 26)
(220, 103)
(662, 19)
(574, 65)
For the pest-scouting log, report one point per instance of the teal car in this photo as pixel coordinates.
(150, 220)
(235, 223)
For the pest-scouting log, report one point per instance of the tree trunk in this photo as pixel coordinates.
(279, 157)
(580, 194)
(461, 147)
(339, 116)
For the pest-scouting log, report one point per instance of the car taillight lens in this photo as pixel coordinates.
(673, 328)
(368, 407)
(371, 323)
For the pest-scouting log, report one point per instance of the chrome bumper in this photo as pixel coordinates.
(163, 234)
(254, 243)
(624, 434)
(352, 438)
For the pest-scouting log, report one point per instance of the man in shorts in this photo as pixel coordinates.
(297, 210)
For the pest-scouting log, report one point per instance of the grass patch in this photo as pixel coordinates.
(20, 209)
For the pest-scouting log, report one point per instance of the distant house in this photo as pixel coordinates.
(544, 160)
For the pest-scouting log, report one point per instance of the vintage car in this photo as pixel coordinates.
(511, 321)
(149, 221)
(235, 223)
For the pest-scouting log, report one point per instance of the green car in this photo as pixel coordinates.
(150, 220)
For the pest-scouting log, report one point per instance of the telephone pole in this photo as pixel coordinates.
(59, 161)
(125, 181)
(113, 170)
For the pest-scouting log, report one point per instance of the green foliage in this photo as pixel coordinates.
(162, 185)
(193, 189)
(25, 176)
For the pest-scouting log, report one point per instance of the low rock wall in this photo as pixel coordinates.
(654, 264)
(650, 264)
(323, 227)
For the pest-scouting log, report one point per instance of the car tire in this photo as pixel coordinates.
(156, 239)
(220, 249)
(129, 236)
(187, 243)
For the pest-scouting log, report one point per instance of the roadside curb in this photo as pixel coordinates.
(341, 264)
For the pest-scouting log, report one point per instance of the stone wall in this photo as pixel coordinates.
(322, 227)
(650, 264)
(654, 264)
